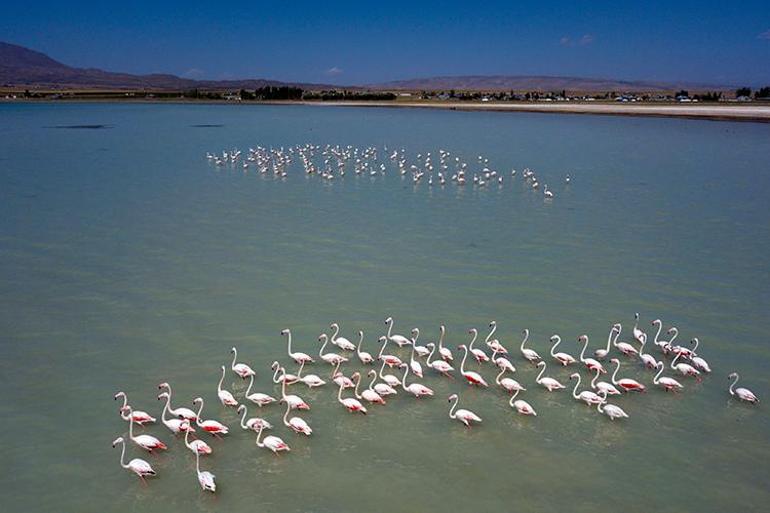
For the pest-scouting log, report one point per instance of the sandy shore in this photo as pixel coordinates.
(759, 113)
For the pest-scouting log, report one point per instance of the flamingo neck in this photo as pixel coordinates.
(574, 390)
(382, 369)
(673, 362)
(452, 414)
(125, 400)
(614, 374)
(286, 414)
(390, 328)
(593, 381)
(406, 373)
(251, 383)
(283, 384)
(243, 418)
(165, 409)
(673, 337)
(219, 386)
(288, 343)
(553, 348)
(441, 338)
(382, 349)
(539, 376)
(323, 346)
(259, 435)
(235, 357)
(186, 438)
(339, 393)
(475, 336)
(336, 331)
(430, 355)
(355, 390)
(123, 454)
(491, 332)
(609, 339)
(513, 398)
(502, 371)
(462, 363)
(660, 327)
(130, 423)
(696, 345)
(374, 378)
(198, 415)
(656, 379)
(526, 337)
(583, 352)
(197, 462)
(735, 382)
(360, 339)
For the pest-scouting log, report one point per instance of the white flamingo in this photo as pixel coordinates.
(383, 389)
(549, 383)
(414, 365)
(667, 383)
(494, 344)
(389, 359)
(196, 446)
(294, 401)
(137, 465)
(608, 388)
(685, 369)
(311, 380)
(563, 358)
(647, 359)
(296, 424)
(205, 478)
(624, 347)
(521, 405)
(588, 397)
(445, 353)
(390, 379)
(509, 384)
(225, 396)
(473, 378)
(636, 331)
(744, 394)
(330, 358)
(341, 342)
(610, 410)
(529, 354)
(440, 366)
(660, 343)
(147, 442)
(416, 389)
(254, 423)
(626, 384)
(210, 426)
(182, 412)
(368, 394)
(399, 340)
(462, 415)
(271, 442)
(352, 404)
(258, 398)
(280, 375)
(298, 356)
(140, 417)
(365, 357)
(241, 369)
(176, 426)
(602, 353)
(698, 362)
(421, 351)
(590, 363)
(478, 354)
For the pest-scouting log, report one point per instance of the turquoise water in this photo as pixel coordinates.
(127, 259)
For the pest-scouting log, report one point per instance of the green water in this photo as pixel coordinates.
(126, 259)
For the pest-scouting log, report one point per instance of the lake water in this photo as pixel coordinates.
(127, 259)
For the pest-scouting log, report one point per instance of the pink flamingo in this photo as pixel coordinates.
(137, 465)
(626, 384)
(473, 378)
(462, 415)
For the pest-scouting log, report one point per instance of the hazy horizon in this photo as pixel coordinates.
(342, 43)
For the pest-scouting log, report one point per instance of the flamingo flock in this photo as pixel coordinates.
(405, 376)
(332, 163)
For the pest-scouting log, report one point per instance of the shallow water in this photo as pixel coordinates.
(127, 259)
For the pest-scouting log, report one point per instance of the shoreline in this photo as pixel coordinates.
(748, 113)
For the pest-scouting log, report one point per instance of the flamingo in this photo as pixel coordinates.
(140, 417)
(668, 346)
(416, 389)
(280, 375)
(590, 363)
(383, 389)
(440, 366)
(660, 343)
(667, 383)
(588, 397)
(390, 379)
(298, 356)
(684, 369)
(529, 354)
(311, 380)
(414, 365)
(422, 351)
(184, 413)
(254, 423)
(503, 363)
(624, 347)
(205, 478)
(509, 384)
(341, 342)
(494, 344)
(521, 405)
(473, 378)
(241, 369)
(296, 424)
(340, 379)
(400, 340)
(744, 394)
(479, 354)
(610, 410)
(563, 358)
(210, 426)
(196, 446)
(389, 359)
(137, 465)
(365, 357)
(608, 388)
(445, 353)
(368, 394)
(698, 362)
(330, 358)
(671, 348)
(602, 353)
(549, 383)
(626, 384)
(352, 404)
(225, 397)
(294, 401)
(271, 442)
(258, 398)
(176, 426)
(146, 442)
(647, 359)
(636, 331)
(462, 415)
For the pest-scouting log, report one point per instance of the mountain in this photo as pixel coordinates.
(533, 83)
(20, 66)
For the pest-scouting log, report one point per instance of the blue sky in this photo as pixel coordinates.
(358, 43)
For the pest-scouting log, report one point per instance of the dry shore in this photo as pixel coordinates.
(733, 112)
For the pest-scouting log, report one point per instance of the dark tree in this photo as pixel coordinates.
(743, 91)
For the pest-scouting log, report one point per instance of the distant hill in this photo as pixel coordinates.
(534, 83)
(20, 66)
